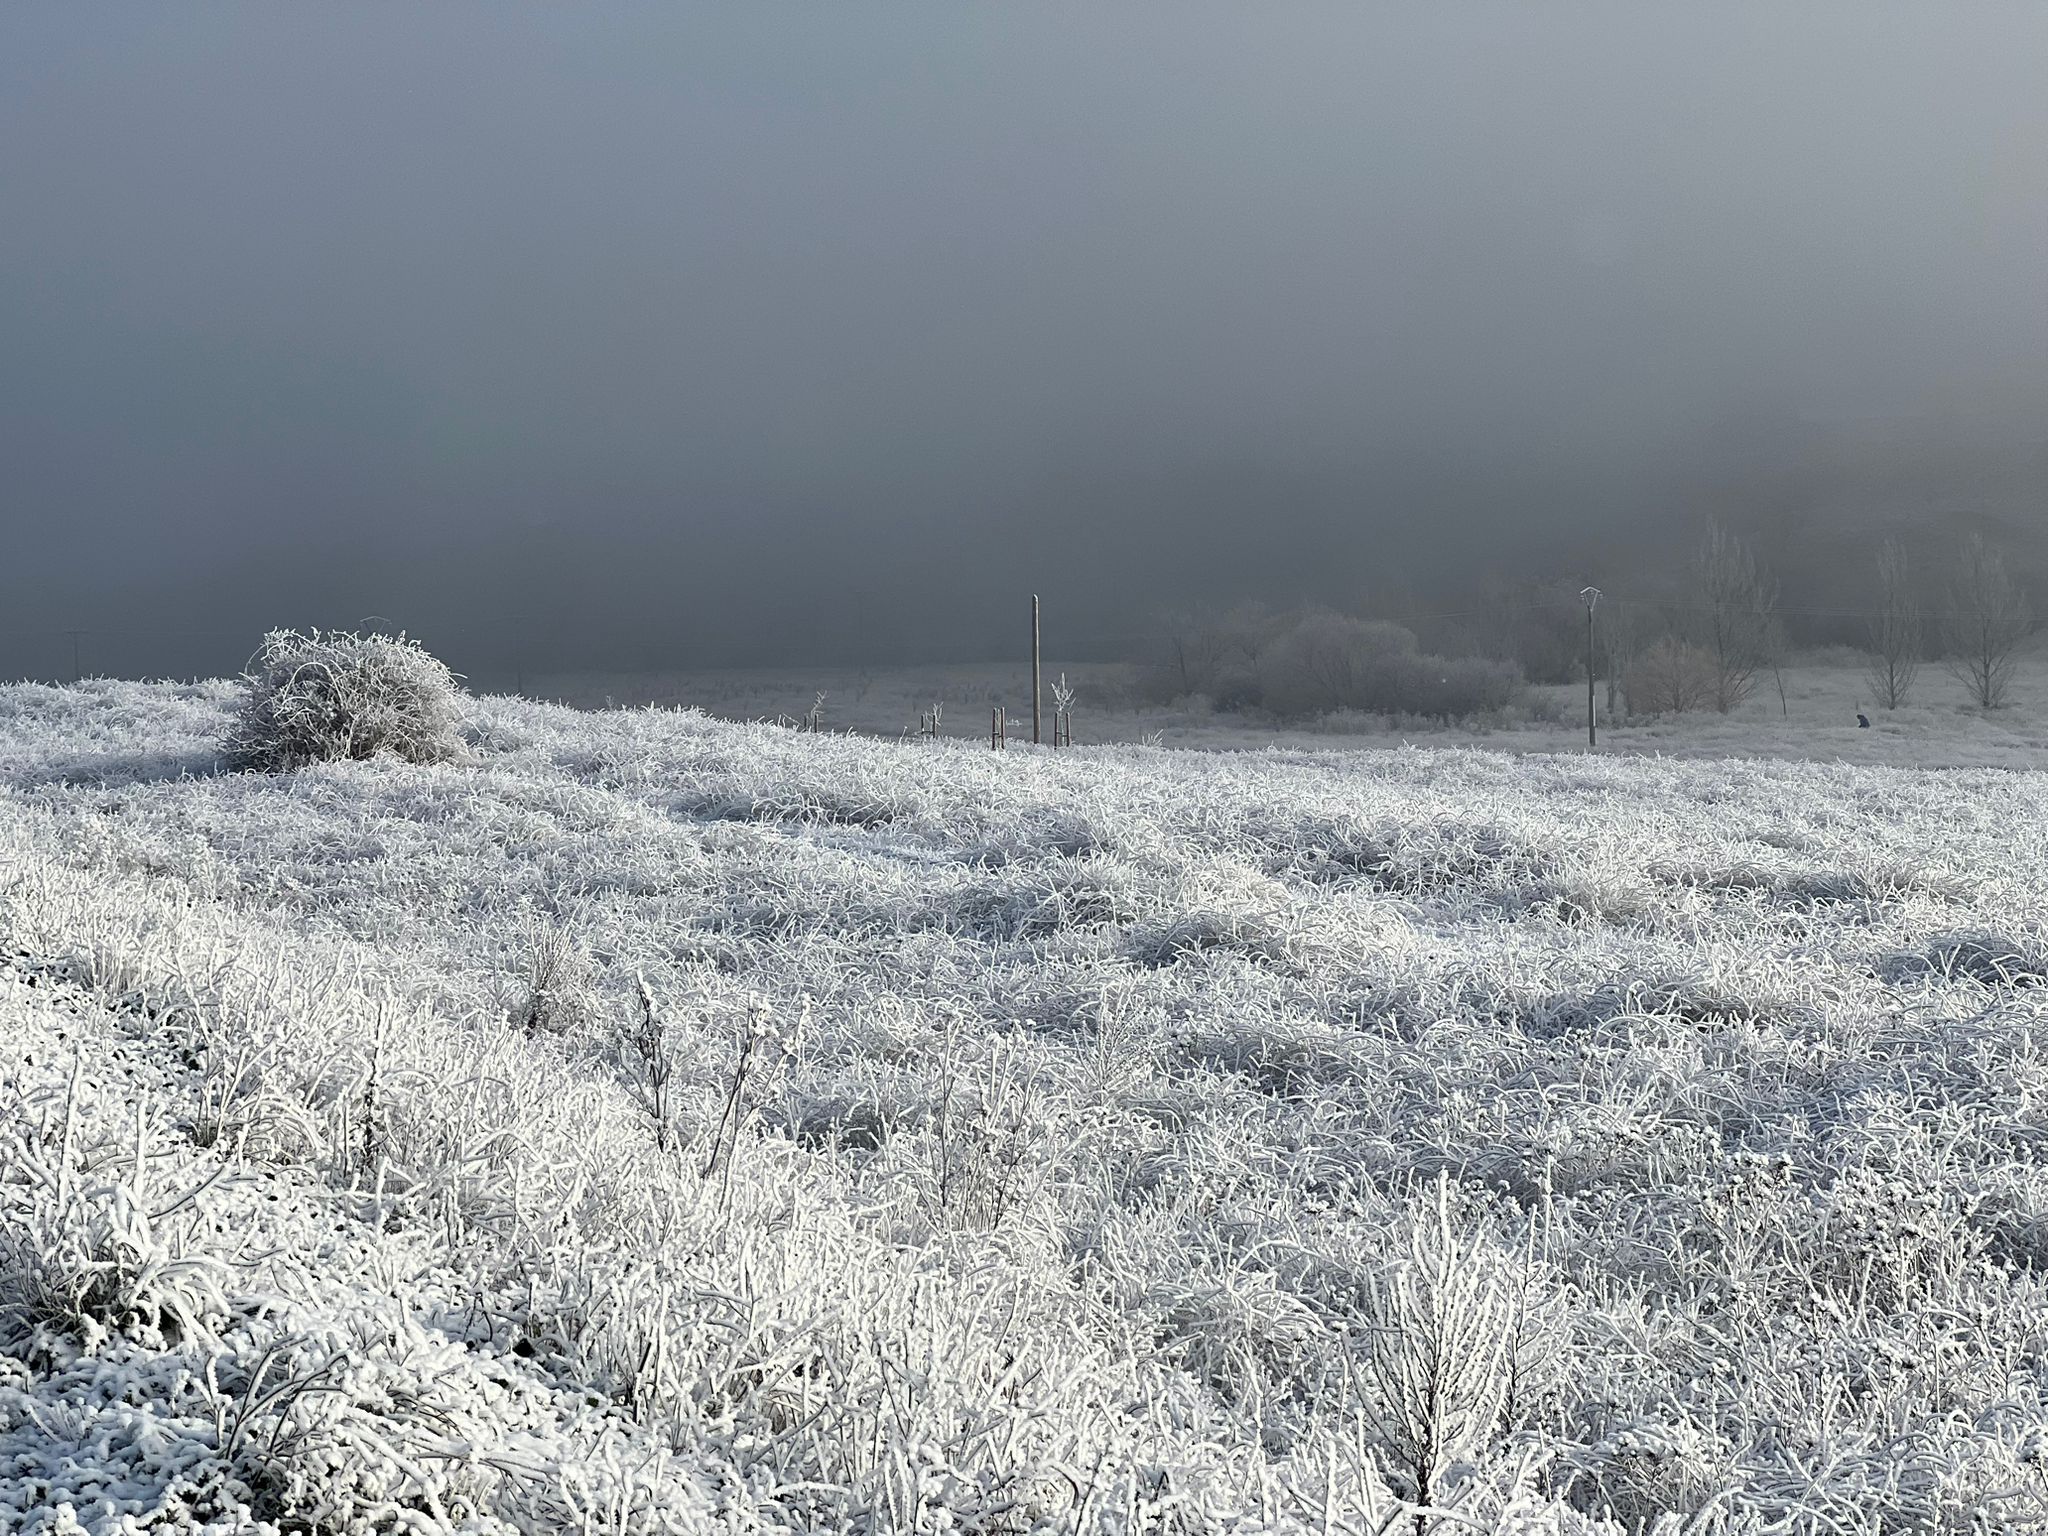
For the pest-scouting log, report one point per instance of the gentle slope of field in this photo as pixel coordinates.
(1129, 1140)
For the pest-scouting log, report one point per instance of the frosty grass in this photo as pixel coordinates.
(1123, 1140)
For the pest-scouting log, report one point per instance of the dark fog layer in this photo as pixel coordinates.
(693, 335)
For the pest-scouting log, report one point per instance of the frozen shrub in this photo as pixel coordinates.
(1456, 687)
(1328, 661)
(1305, 665)
(331, 696)
(557, 983)
(1670, 678)
(1215, 656)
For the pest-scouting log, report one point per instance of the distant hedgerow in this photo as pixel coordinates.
(332, 696)
(1313, 664)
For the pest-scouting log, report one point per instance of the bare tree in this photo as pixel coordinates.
(1775, 642)
(1195, 646)
(1988, 617)
(1735, 610)
(1331, 653)
(1892, 654)
(1624, 630)
(1212, 653)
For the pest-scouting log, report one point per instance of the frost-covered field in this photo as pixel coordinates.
(1128, 1140)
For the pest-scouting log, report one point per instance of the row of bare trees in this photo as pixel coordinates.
(1984, 624)
(1713, 650)
(1710, 650)
(1709, 640)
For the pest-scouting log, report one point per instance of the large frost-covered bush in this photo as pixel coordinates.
(1302, 665)
(1670, 678)
(331, 696)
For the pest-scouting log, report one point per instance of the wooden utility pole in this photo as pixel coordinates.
(1034, 669)
(1592, 597)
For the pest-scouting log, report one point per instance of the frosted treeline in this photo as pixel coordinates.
(653, 1124)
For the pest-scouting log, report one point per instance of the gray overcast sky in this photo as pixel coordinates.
(689, 334)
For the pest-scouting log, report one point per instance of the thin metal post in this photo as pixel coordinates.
(1035, 686)
(1592, 597)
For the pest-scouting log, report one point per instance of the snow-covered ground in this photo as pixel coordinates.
(1123, 1140)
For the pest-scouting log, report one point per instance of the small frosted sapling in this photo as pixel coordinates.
(1441, 1361)
(647, 1046)
(757, 1039)
(1062, 712)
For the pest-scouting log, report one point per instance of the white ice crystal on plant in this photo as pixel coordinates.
(1049, 1143)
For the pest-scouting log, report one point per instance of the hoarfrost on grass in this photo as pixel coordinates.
(1117, 1141)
